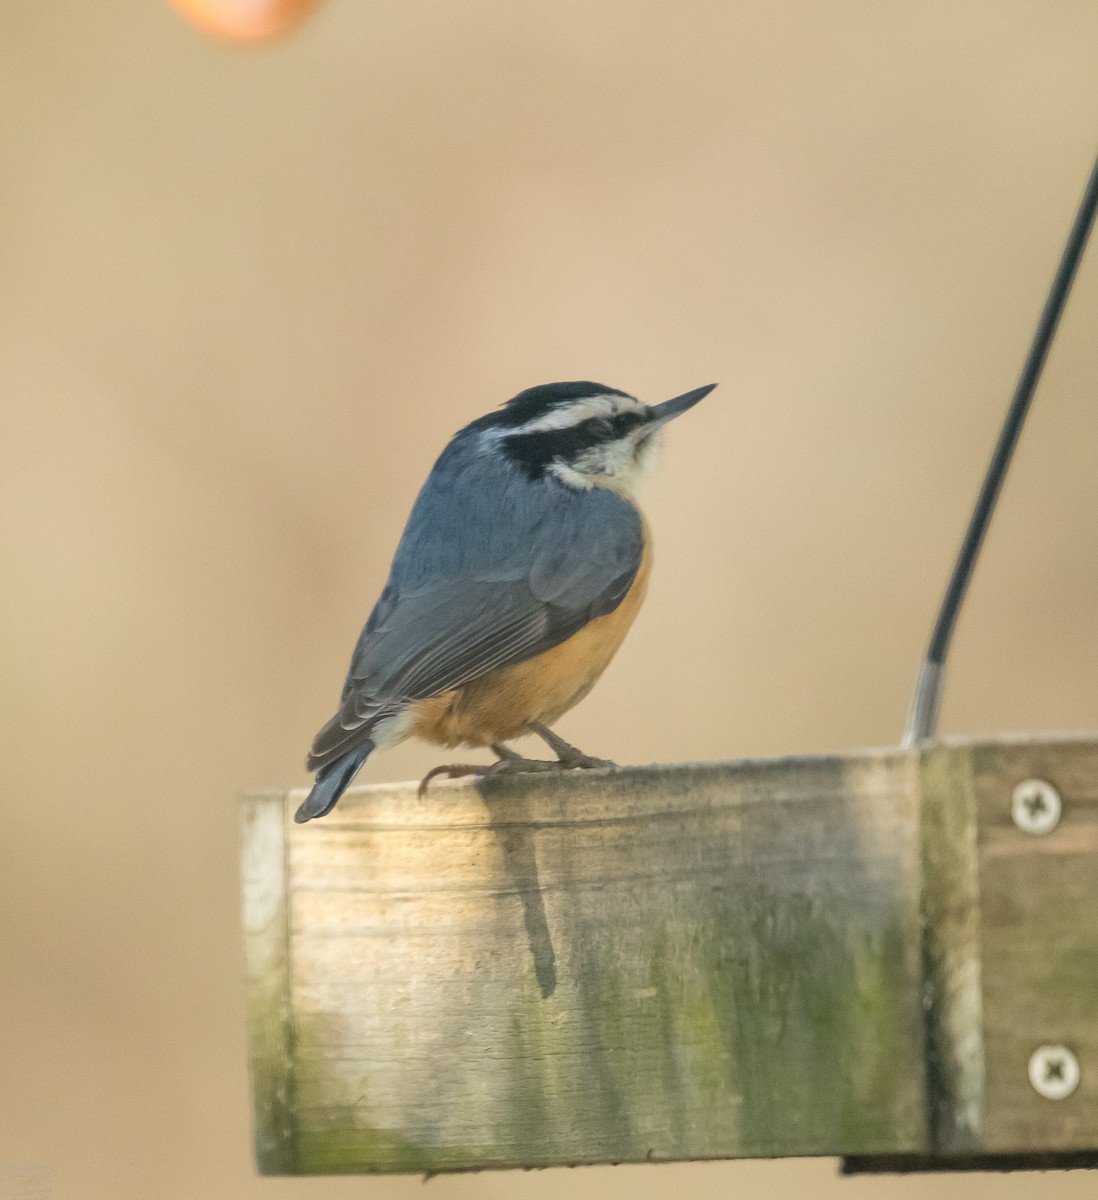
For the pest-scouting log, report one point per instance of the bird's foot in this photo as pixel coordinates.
(451, 771)
(513, 763)
(570, 757)
(509, 763)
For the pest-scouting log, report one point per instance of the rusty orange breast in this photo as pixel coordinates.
(500, 705)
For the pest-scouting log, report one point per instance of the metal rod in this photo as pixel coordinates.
(923, 719)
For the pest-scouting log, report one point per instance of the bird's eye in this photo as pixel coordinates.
(601, 428)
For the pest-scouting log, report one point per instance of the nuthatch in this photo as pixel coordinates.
(522, 566)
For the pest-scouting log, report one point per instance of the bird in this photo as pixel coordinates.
(522, 566)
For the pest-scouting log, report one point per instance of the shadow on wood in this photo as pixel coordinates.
(516, 839)
(825, 956)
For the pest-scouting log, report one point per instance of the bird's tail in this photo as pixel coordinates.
(331, 782)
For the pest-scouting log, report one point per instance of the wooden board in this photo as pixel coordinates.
(823, 956)
(1038, 944)
(265, 881)
(661, 963)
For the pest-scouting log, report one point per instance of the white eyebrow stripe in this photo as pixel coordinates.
(574, 412)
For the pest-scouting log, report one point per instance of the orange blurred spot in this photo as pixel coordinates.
(246, 20)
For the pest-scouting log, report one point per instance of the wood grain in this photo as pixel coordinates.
(952, 993)
(834, 956)
(267, 979)
(1039, 943)
(660, 963)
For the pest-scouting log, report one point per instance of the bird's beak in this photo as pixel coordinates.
(660, 414)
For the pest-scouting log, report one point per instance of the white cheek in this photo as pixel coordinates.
(620, 459)
(648, 453)
(620, 466)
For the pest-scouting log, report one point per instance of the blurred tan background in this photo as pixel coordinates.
(245, 297)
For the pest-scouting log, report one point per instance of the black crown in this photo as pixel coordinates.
(538, 401)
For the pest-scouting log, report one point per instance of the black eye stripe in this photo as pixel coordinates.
(534, 452)
(607, 428)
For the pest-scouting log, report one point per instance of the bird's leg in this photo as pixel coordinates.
(568, 758)
(513, 763)
(510, 762)
(571, 757)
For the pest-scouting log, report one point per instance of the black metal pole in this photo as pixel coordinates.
(923, 719)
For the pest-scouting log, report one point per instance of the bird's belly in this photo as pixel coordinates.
(501, 704)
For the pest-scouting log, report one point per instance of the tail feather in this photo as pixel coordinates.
(331, 782)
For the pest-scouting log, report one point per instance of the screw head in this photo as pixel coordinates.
(1054, 1072)
(1035, 806)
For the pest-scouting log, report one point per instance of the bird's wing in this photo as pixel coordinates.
(524, 586)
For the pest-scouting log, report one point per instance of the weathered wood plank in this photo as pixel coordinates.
(663, 963)
(951, 950)
(267, 979)
(1010, 956)
(843, 956)
(1038, 943)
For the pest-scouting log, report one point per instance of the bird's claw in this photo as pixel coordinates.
(511, 763)
(583, 762)
(451, 771)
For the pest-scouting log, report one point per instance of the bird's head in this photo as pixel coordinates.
(584, 434)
